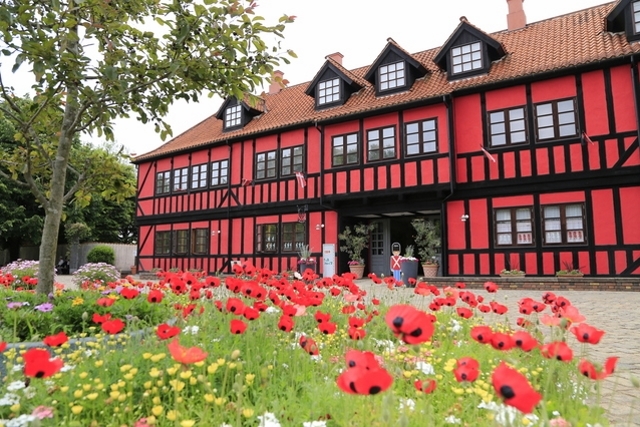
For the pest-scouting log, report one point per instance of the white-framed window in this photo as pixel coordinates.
(163, 182)
(564, 224)
(556, 119)
(219, 172)
(507, 127)
(181, 179)
(635, 11)
(381, 144)
(345, 150)
(421, 137)
(267, 165)
(328, 91)
(199, 176)
(233, 116)
(392, 75)
(467, 57)
(514, 226)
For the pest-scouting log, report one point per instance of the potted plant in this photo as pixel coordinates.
(428, 241)
(569, 271)
(355, 241)
(409, 266)
(305, 260)
(512, 273)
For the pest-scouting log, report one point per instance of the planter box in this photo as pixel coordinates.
(304, 265)
(513, 276)
(409, 270)
(569, 276)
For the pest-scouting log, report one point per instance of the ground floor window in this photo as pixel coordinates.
(181, 242)
(266, 238)
(292, 236)
(163, 243)
(514, 226)
(199, 241)
(564, 224)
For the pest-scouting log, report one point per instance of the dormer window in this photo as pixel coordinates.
(467, 57)
(233, 116)
(392, 76)
(329, 91)
(635, 10)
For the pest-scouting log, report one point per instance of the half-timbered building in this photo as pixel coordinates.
(523, 143)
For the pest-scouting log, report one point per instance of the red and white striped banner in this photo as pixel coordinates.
(488, 154)
(301, 180)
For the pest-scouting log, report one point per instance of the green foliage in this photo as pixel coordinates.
(356, 240)
(427, 239)
(102, 253)
(96, 274)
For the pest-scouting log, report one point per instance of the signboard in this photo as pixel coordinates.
(328, 259)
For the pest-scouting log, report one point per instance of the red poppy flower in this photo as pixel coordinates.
(38, 363)
(548, 320)
(237, 326)
(356, 333)
(327, 328)
(409, 324)
(178, 287)
(286, 323)
(164, 331)
(194, 295)
(514, 388)
(235, 306)
(105, 302)
(155, 296)
(524, 341)
(289, 309)
(557, 350)
(464, 312)
(260, 306)
(212, 282)
(490, 287)
(501, 341)
(364, 375)
(571, 313)
(56, 340)
(3, 346)
(484, 308)
(523, 323)
(434, 306)
(468, 361)
(186, 355)
(129, 293)
(482, 334)
(375, 301)
(356, 322)
(322, 317)
(498, 308)
(460, 285)
(588, 370)
(112, 326)
(466, 373)
(309, 345)
(251, 313)
(587, 334)
(97, 318)
(549, 297)
(425, 386)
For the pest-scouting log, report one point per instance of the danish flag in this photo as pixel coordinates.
(245, 182)
(585, 137)
(488, 154)
(301, 180)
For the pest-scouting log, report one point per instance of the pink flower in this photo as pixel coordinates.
(142, 422)
(42, 412)
(559, 422)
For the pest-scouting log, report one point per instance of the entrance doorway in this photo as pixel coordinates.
(385, 233)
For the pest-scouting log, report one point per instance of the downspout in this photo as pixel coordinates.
(320, 129)
(447, 100)
(636, 94)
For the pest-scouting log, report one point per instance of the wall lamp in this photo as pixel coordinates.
(319, 227)
(464, 217)
(215, 232)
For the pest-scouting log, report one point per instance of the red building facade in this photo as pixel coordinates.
(523, 143)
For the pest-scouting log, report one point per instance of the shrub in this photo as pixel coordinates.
(102, 253)
(95, 274)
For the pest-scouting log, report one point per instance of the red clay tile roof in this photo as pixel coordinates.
(577, 38)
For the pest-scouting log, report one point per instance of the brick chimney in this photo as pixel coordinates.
(276, 82)
(516, 18)
(336, 57)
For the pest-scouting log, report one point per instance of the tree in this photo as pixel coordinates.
(97, 60)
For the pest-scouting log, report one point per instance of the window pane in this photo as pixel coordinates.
(523, 214)
(546, 133)
(545, 121)
(567, 130)
(543, 109)
(504, 239)
(517, 113)
(553, 224)
(566, 118)
(498, 140)
(504, 227)
(517, 125)
(565, 106)
(553, 237)
(518, 137)
(503, 215)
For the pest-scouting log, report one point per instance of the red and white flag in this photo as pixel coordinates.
(245, 182)
(585, 137)
(301, 180)
(488, 154)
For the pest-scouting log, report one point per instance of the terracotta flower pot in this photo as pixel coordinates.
(430, 270)
(357, 270)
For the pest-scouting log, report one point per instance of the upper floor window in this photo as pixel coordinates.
(219, 172)
(556, 119)
(181, 179)
(199, 176)
(381, 144)
(345, 150)
(328, 91)
(392, 76)
(199, 241)
(163, 243)
(266, 238)
(181, 242)
(635, 10)
(421, 137)
(513, 226)
(233, 116)
(266, 164)
(292, 236)
(291, 160)
(507, 127)
(564, 224)
(467, 57)
(163, 182)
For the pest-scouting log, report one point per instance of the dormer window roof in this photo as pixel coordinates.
(394, 70)
(468, 52)
(332, 85)
(236, 114)
(625, 17)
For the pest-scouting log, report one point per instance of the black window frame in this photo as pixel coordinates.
(296, 157)
(470, 61)
(180, 180)
(267, 238)
(421, 137)
(219, 173)
(199, 241)
(180, 242)
(323, 93)
(163, 182)
(509, 124)
(162, 243)
(200, 176)
(563, 225)
(555, 115)
(268, 171)
(344, 146)
(293, 236)
(381, 149)
(514, 231)
(233, 116)
(383, 70)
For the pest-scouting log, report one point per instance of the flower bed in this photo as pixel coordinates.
(257, 350)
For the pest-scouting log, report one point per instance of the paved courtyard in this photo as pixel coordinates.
(617, 313)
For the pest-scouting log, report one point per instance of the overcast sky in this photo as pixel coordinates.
(358, 29)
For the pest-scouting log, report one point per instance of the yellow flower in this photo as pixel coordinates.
(83, 375)
(220, 362)
(114, 394)
(187, 423)
(211, 369)
(219, 401)
(147, 355)
(64, 389)
(209, 398)
(77, 301)
(125, 368)
(177, 385)
(249, 378)
(129, 376)
(155, 372)
(86, 387)
(172, 415)
(157, 410)
(77, 394)
(156, 400)
(15, 408)
(158, 357)
(92, 396)
(247, 412)
(77, 408)
(98, 363)
(185, 374)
